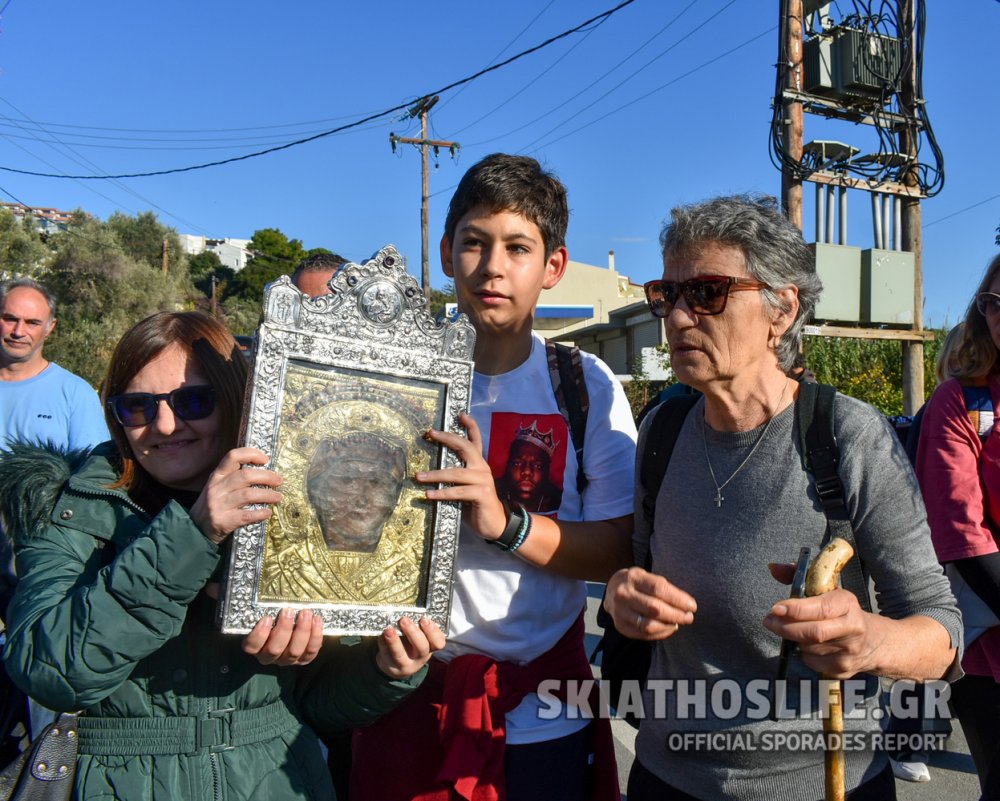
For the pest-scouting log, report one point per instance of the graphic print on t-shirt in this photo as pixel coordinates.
(527, 455)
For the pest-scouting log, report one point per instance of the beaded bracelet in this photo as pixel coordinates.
(522, 532)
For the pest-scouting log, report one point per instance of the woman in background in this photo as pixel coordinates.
(958, 466)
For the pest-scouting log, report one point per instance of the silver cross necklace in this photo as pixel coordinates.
(719, 497)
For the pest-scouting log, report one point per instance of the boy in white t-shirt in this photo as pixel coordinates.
(478, 725)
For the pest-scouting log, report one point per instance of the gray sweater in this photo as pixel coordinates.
(722, 663)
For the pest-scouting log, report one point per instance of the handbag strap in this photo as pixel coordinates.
(45, 771)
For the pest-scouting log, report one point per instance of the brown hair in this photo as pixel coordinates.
(501, 182)
(976, 355)
(205, 340)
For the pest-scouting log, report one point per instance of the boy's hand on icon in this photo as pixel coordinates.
(400, 657)
(472, 484)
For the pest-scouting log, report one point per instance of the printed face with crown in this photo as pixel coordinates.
(500, 267)
(527, 475)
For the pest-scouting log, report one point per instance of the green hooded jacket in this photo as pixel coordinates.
(109, 617)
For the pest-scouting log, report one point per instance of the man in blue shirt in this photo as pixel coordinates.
(40, 402)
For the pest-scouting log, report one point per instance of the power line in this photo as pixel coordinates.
(659, 88)
(53, 166)
(231, 143)
(504, 49)
(542, 74)
(632, 102)
(189, 130)
(339, 129)
(76, 157)
(592, 84)
(8, 194)
(628, 78)
(962, 211)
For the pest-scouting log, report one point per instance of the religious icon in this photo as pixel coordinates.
(344, 386)
(351, 528)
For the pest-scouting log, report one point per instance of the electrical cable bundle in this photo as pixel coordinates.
(875, 32)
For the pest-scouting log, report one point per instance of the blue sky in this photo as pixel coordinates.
(665, 102)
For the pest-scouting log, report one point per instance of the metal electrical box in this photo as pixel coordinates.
(887, 287)
(839, 268)
(817, 66)
(866, 62)
(847, 62)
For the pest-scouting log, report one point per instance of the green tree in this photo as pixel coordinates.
(142, 237)
(21, 248)
(203, 264)
(102, 291)
(241, 315)
(868, 369)
(639, 390)
(440, 298)
(206, 269)
(274, 255)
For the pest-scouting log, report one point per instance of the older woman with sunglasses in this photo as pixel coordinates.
(114, 611)
(738, 284)
(958, 465)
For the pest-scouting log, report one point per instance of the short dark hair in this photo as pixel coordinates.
(29, 283)
(501, 182)
(209, 343)
(320, 263)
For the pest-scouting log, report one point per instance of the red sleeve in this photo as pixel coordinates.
(948, 460)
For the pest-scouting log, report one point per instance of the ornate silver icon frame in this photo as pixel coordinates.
(343, 386)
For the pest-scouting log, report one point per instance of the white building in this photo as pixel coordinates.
(232, 253)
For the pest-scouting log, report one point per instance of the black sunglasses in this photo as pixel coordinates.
(134, 409)
(706, 294)
(988, 303)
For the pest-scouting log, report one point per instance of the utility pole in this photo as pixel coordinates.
(166, 256)
(815, 79)
(421, 109)
(790, 60)
(912, 233)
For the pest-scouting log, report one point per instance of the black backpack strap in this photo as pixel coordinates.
(913, 436)
(570, 389)
(821, 457)
(661, 436)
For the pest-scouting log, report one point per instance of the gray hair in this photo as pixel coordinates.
(29, 283)
(773, 249)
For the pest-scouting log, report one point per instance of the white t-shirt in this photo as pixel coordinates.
(502, 606)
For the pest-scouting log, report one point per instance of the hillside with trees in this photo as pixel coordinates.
(107, 275)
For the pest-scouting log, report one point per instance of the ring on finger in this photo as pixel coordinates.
(638, 621)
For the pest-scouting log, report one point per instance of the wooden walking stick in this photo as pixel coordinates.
(823, 576)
